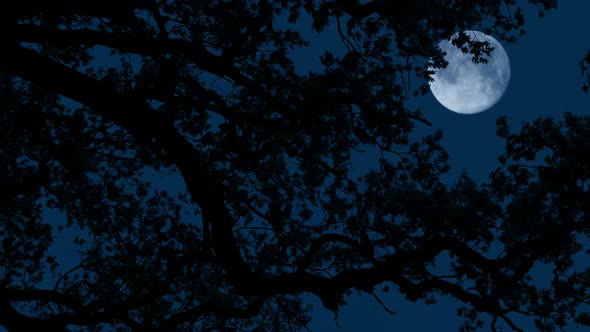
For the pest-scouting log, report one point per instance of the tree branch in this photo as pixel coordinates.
(125, 110)
(217, 65)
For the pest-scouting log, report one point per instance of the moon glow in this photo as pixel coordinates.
(466, 87)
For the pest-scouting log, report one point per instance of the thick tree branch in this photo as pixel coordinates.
(14, 321)
(217, 65)
(82, 314)
(126, 110)
(330, 290)
(391, 268)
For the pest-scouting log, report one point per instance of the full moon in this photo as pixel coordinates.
(466, 87)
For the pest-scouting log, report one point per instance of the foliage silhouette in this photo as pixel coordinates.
(270, 209)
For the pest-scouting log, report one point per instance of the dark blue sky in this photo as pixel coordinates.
(545, 81)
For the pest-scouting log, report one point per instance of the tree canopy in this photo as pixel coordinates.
(98, 94)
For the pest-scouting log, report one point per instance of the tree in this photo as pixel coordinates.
(273, 210)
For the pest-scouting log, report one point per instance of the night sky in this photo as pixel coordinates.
(545, 81)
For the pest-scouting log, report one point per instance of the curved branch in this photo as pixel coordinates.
(389, 311)
(61, 278)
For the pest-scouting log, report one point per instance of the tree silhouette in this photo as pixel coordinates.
(207, 91)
